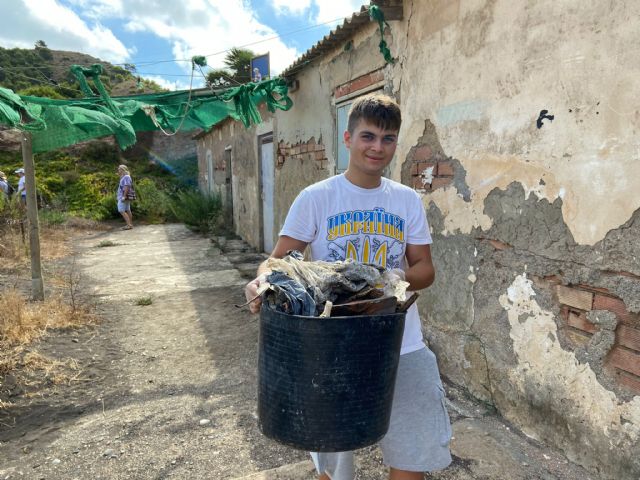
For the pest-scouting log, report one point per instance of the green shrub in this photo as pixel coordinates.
(197, 210)
(49, 217)
(152, 204)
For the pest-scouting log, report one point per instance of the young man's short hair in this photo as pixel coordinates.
(377, 109)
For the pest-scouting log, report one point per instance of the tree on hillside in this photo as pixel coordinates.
(239, 62)
(42, 50)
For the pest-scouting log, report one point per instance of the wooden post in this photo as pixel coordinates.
(37, 283)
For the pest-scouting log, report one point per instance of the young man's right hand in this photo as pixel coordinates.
(251, 292)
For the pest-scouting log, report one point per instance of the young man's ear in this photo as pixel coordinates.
(347, 138)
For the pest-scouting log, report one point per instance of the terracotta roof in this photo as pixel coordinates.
(392, 10)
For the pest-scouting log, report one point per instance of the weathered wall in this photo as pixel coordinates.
(244, 174)
(536, 304)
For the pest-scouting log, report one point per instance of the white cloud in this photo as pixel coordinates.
(198, 27)
(174, 84)
(319, 11)
(60, 28)
(332, 9)
(291, 7)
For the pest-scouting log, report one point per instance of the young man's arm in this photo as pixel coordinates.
(283, 245)
(420, 272)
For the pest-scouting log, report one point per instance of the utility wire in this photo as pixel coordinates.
(155, 62)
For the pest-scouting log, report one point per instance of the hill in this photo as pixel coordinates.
(44, 72)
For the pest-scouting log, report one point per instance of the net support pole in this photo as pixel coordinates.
(37, 283)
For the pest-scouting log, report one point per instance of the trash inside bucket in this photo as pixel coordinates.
(326, 384)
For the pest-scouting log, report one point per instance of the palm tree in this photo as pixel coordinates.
(239, 62)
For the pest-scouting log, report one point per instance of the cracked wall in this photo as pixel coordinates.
(535, 221)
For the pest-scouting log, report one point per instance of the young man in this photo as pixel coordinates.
(369, 218)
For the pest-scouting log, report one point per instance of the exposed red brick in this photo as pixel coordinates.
(578, 338)
(498, 245)
(422, 166)
(574, 297)
(319, 147)
(623, 359)
(553, 279)
(359, 83)
(593, 289)
(630, 381)
(440, 182)
(423, 152)
(445, 169)
(628, 337)
(295, 150)
(579, 320)
(319, 155)
(615, 305)
(303, 148)
(417, 183)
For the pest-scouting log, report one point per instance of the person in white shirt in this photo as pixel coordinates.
(363, 216)
(21, 191)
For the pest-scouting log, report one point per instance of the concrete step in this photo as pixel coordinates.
(295, 471)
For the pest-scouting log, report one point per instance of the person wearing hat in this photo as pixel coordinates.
(22, 191)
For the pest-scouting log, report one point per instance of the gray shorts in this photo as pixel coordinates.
(419, 431)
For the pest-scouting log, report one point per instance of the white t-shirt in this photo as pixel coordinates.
(21, 186)
(341, 220)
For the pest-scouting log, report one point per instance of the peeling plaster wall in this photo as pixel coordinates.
(487, 69)
(524, 212)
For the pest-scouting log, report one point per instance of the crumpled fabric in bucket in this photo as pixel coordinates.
(336, 282)
(289, 296)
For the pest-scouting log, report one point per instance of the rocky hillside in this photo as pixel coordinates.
(44, 72)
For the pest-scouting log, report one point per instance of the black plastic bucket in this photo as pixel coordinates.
(326, 384)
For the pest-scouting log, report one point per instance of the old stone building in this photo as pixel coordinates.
(520, 132)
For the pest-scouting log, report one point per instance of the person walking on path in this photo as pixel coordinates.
(371, 219)
(22, 190)
(124, 196)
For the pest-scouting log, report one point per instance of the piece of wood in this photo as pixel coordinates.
(376, 306)
(575, 298)
(37, 283)
(407, 303)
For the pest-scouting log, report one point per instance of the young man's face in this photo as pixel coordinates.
(370, 148)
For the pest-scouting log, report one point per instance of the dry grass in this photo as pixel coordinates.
(14, 249)
(23, 322)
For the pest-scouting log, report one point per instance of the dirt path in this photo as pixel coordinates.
(167, 390)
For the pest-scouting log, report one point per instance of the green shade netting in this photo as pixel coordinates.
(60, 123)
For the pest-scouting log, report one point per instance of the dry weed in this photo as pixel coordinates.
(22, 321)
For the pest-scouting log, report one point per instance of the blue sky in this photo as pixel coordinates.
(153, 34)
